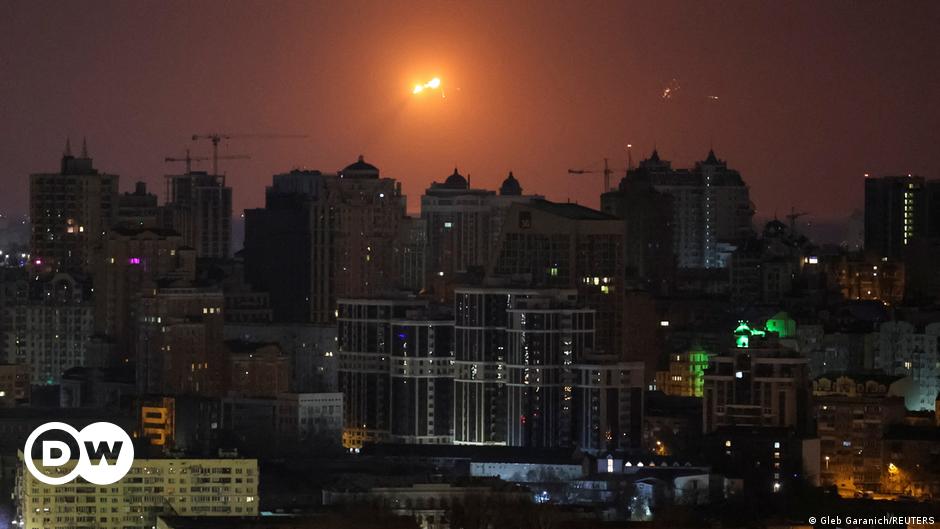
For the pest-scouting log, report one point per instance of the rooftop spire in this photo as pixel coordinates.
(84, 148)
(68, 146)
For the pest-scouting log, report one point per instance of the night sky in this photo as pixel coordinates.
(810, 95)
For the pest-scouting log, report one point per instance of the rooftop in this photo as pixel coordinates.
(570, 210)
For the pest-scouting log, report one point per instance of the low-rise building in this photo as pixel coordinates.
(852, 413)
(187, 487)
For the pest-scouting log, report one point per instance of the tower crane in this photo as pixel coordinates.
(189, 159)
(217, 137)
(792, 216)
(606, 171)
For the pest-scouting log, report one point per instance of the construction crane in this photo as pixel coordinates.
(606, 171)
(190, 159)
(792, 216)
(216, 138)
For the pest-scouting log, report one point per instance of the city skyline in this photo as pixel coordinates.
(469, 265)
(661, 77)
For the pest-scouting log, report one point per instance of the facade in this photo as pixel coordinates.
(894, 214)
(134, 258)
(768, 269)
(199, 207)
(138, 209)
(906, 350)
(711, 208)
(14, 385)
(464, 224)
(648, 231)
(49, 326)
(179, 342)
(853, 411)
(685, 376)
(552, 245)
(256, 369)
(411, 254)
(364, 348)
(758, 383)
(867, 277)
(311, 349)
(766, 459)
(186, 487)
(71, 213)
(278, 252)
(608, 404)
(422, 380)
(294, 423)
(322, 237)
(526, 374)
(911, 461)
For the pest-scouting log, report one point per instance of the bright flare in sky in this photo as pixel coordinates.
(432, 84)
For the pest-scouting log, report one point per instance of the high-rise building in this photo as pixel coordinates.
(364, 347)
(179, 341)
(648, 231)
(758, 383)
(422, 380)
(134, 258)
(894, 214)
(324, 236)
(711, 208)
(138, 209)
(463, 224)
(526, 373)
(185, 487)
(199, 207)
(546, 337)
(71, 213)
(278, 246)
(49, 326)
(411, 254)
(556, 245)
(608, 406)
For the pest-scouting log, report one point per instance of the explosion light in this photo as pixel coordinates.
(430, 85)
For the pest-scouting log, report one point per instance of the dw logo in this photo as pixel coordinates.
(105, 453)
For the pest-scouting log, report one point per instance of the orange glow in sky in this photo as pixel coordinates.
(432, 84)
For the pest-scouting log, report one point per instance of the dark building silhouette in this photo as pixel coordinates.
(324, 236)
(711, 208)
(463, 228)
(648, 218)
(199, 207)
(277, 250)
(895, 214)
(138, 209)
(547, 244)
(71, 213)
